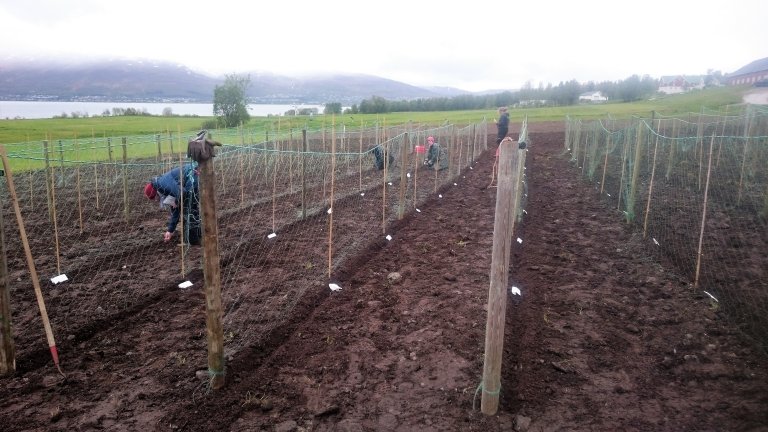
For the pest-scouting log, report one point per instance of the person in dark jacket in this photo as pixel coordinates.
(166, 188)
(378, 158)
(437, 157)
(502, 124)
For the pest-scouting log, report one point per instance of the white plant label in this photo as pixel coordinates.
(334, 287)
(515, 290)
(519, 240)
(185, 284)
(273, 235)
(59, 279)
(330, 210)
(388, 237)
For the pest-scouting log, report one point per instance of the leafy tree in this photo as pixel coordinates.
(230, 104)
(332, 108)
(167, 112)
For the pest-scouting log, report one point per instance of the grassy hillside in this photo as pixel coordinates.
(17, 131)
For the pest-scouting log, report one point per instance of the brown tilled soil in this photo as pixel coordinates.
(602, 338)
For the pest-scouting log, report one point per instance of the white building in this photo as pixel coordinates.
(593, 96)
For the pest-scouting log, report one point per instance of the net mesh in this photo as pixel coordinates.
(696, 187)
(292, 206)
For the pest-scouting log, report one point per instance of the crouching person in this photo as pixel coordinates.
(378, 158)
(437, 156)
(167, 190)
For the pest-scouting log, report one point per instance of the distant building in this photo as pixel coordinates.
(752, 73)
(593, 96)
(674, 84)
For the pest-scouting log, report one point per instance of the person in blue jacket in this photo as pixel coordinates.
(166, 188)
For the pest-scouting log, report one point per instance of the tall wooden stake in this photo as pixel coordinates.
(330, 205)
(497, 294)
(303, 174)
(30, 261)
(126, 200)
(181, 209)
(212, 275)
(48, 180)
(650, 186)
(7, 349)
(403, 174)
(79, 190)
(704, 214)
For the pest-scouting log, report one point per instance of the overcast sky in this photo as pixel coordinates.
(472, 45)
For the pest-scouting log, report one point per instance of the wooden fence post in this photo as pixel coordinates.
(497, 294)
(212, 274)
(7, 349)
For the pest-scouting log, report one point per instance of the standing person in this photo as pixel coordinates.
(502, 124)
(437, 157)
(167, 189)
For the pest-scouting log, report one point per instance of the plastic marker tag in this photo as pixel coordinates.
(418, 211)
(59, 279)
(515, 290)
(273, 235)
(455, 184)
(362, 193)
(388, 237)
(334, 287)
(657, 243)
(519, 240)
(408, 175)
(440, 196)
(330, 210)
(185, 284)
(390, 183)
(713, 297)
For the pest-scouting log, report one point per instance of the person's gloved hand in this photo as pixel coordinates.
(167, 236)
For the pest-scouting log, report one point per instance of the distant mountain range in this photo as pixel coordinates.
(141, 81)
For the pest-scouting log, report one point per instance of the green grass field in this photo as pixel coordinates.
(28, 135)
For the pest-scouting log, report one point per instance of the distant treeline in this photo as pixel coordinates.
(127, 112)
(566, 93)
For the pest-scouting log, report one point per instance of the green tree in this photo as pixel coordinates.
(332, 108)
(230, 104)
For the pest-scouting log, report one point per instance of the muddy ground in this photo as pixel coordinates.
(602, 338)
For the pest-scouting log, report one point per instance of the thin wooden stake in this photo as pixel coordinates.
(30, 261)
(360, 159)
(330, 205)
(181, 209)
(79, 190)
(703, 214)
(384, 190)
(497, 294)
(55, 227)
(650, 186)
(403, 175)
(605, 162)
(48, 180)
(303, 174)
(126, 200)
